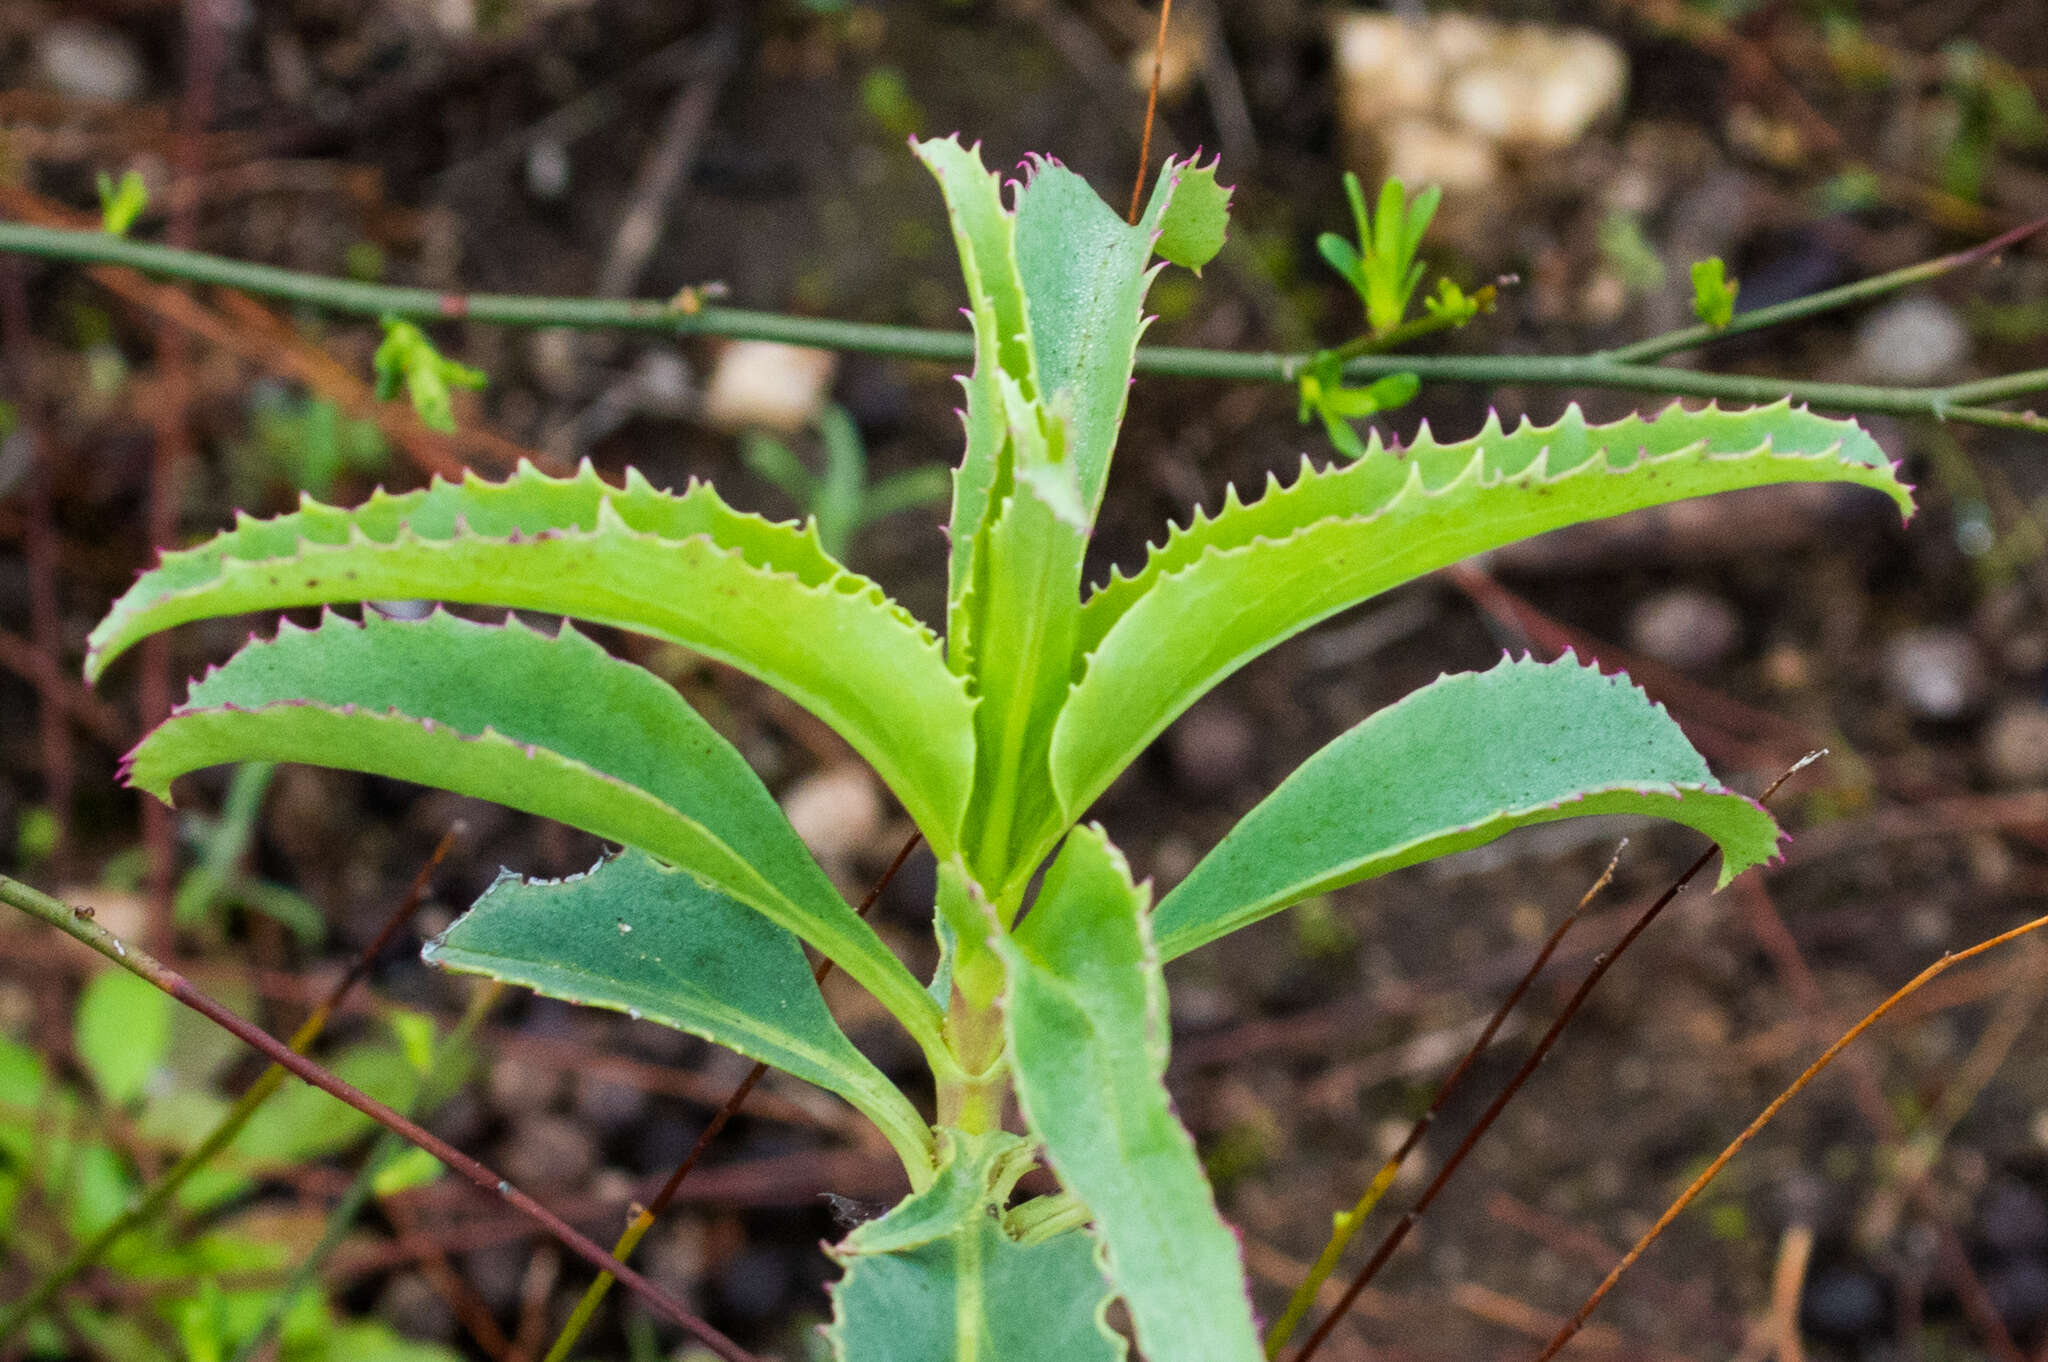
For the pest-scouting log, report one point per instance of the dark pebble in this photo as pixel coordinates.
(608, 1104)
(547, 1151)
(412, 1307)
(2019, 1292)
(1213, 748)
(2013, 1218)
(755, 1282)
(1842, 1302)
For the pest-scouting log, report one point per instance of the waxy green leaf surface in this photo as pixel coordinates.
(1085, 271)
(1455, 765)
(551, 725)
(639, 937)
(1088, 1047)
(1231, 586)
(984, 234)
(761, 596)
(938, 1279)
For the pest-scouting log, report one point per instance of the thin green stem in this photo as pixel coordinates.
(77, 924)
(1619, 369)
(1814, 304)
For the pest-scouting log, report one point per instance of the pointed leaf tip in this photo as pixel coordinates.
(1455, 765)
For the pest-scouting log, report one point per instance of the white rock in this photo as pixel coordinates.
(837, 812)
(1385, 65)
(2016, 745)
(1937, 673)
(1685, 628)
(547, 169)
(1422, 151)
(1526, 85)
(88, 61)
(767, 384)
(1912, 340)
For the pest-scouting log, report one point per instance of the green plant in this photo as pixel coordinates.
(62, 1185)
(408, 358)
(996, 739)
(840, 499)
(1713, 292)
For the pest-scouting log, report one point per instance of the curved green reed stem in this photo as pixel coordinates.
(1623, 368)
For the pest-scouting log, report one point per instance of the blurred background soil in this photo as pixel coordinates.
(634, 147)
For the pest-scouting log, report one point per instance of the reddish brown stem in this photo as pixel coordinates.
(75, 923)
(1601, 964)
(1764, 1118)
(1151, 108)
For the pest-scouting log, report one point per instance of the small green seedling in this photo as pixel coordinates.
(1383, 267)
(997, 737)
(309, 442)
(62, 1185)
(1383, 270)
(841, 500)
(121, 204)
(1713, 292)
(408, 357)
(1323, 394)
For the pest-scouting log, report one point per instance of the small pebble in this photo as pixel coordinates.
(2013, 1218)
(409, 1304)
(497, 1273)
(88, 61)
(755, 1282)
(1843, 1302)
(1915, 339)
(768, 384)
(662, 383)
(837, 812)
(1688, 629)
(546, 1151)
(551, 361)
(1213, 749)
(547, 169)
(2016, 745)
(2019, 1292)
(607, 1104)
(518, 1087)
(1936, 673)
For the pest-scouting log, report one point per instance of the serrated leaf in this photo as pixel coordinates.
(1197, 218)
(686, 568)
(551, 725)
(1454, 765)
(984, 233)
(1028, 601)
(1085, 273)
(1228, 587)
(938, 1279)
(635, 936)
(1088, 1047)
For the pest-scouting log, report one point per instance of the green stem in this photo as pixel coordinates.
(1618, 369)
(1813, 304)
